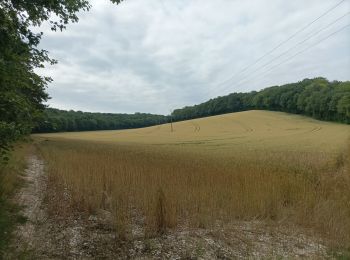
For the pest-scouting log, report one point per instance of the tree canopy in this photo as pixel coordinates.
(22, 91)
(56, 120)
(317, 98)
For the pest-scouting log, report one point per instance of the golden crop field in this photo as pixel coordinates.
(241, 166)
(243, 130)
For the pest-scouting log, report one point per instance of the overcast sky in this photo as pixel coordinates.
(157, 55)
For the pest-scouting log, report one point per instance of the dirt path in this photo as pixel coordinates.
(43, 236)
(30, 199)
(52, 233)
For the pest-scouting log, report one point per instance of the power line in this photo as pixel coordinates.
(296, 54)
(277, 46)
(291, 48)
(296, 33)
(281, 44)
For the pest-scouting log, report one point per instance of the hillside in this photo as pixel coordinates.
(248, 130)
(317, 98)
(237, 174)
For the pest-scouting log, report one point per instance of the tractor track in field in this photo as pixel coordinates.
(245, 127)
(197, 127)
(316, 129)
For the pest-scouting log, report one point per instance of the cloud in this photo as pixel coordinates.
(156, 55)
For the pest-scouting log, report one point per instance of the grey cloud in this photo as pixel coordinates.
(155, 55)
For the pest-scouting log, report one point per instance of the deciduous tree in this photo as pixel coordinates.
(22, 91)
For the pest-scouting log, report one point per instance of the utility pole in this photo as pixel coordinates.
(171, 121)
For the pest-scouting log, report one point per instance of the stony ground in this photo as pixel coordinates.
(55, 232)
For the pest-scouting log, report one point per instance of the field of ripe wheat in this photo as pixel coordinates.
(243, 166)
(250, 130)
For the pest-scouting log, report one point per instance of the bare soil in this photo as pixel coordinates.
(54, 230)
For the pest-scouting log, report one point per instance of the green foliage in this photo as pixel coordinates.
(56, 120)
(8, 218)
(9, 182)
(22, 91)
(317, 98)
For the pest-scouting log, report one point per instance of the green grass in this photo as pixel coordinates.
(342, 255)
(10, 181)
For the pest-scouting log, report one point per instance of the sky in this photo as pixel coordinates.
(154, 56)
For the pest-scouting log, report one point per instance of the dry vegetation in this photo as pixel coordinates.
(243, 166)
(250, 130)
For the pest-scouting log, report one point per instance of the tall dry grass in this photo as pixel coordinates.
(165, 188)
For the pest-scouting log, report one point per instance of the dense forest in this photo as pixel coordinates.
(317, 98)
(56, 120)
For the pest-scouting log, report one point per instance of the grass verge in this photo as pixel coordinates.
(10, 181)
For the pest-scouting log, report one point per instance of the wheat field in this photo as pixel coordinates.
(242, 130)
(242, 166)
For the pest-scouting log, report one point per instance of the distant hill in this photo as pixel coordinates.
(317, 98)
(241, 131)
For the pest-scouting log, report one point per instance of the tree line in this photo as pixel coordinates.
(55, 120)
(317, 98)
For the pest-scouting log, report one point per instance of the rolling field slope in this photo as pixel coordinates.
(244, 130)
(209, 172)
